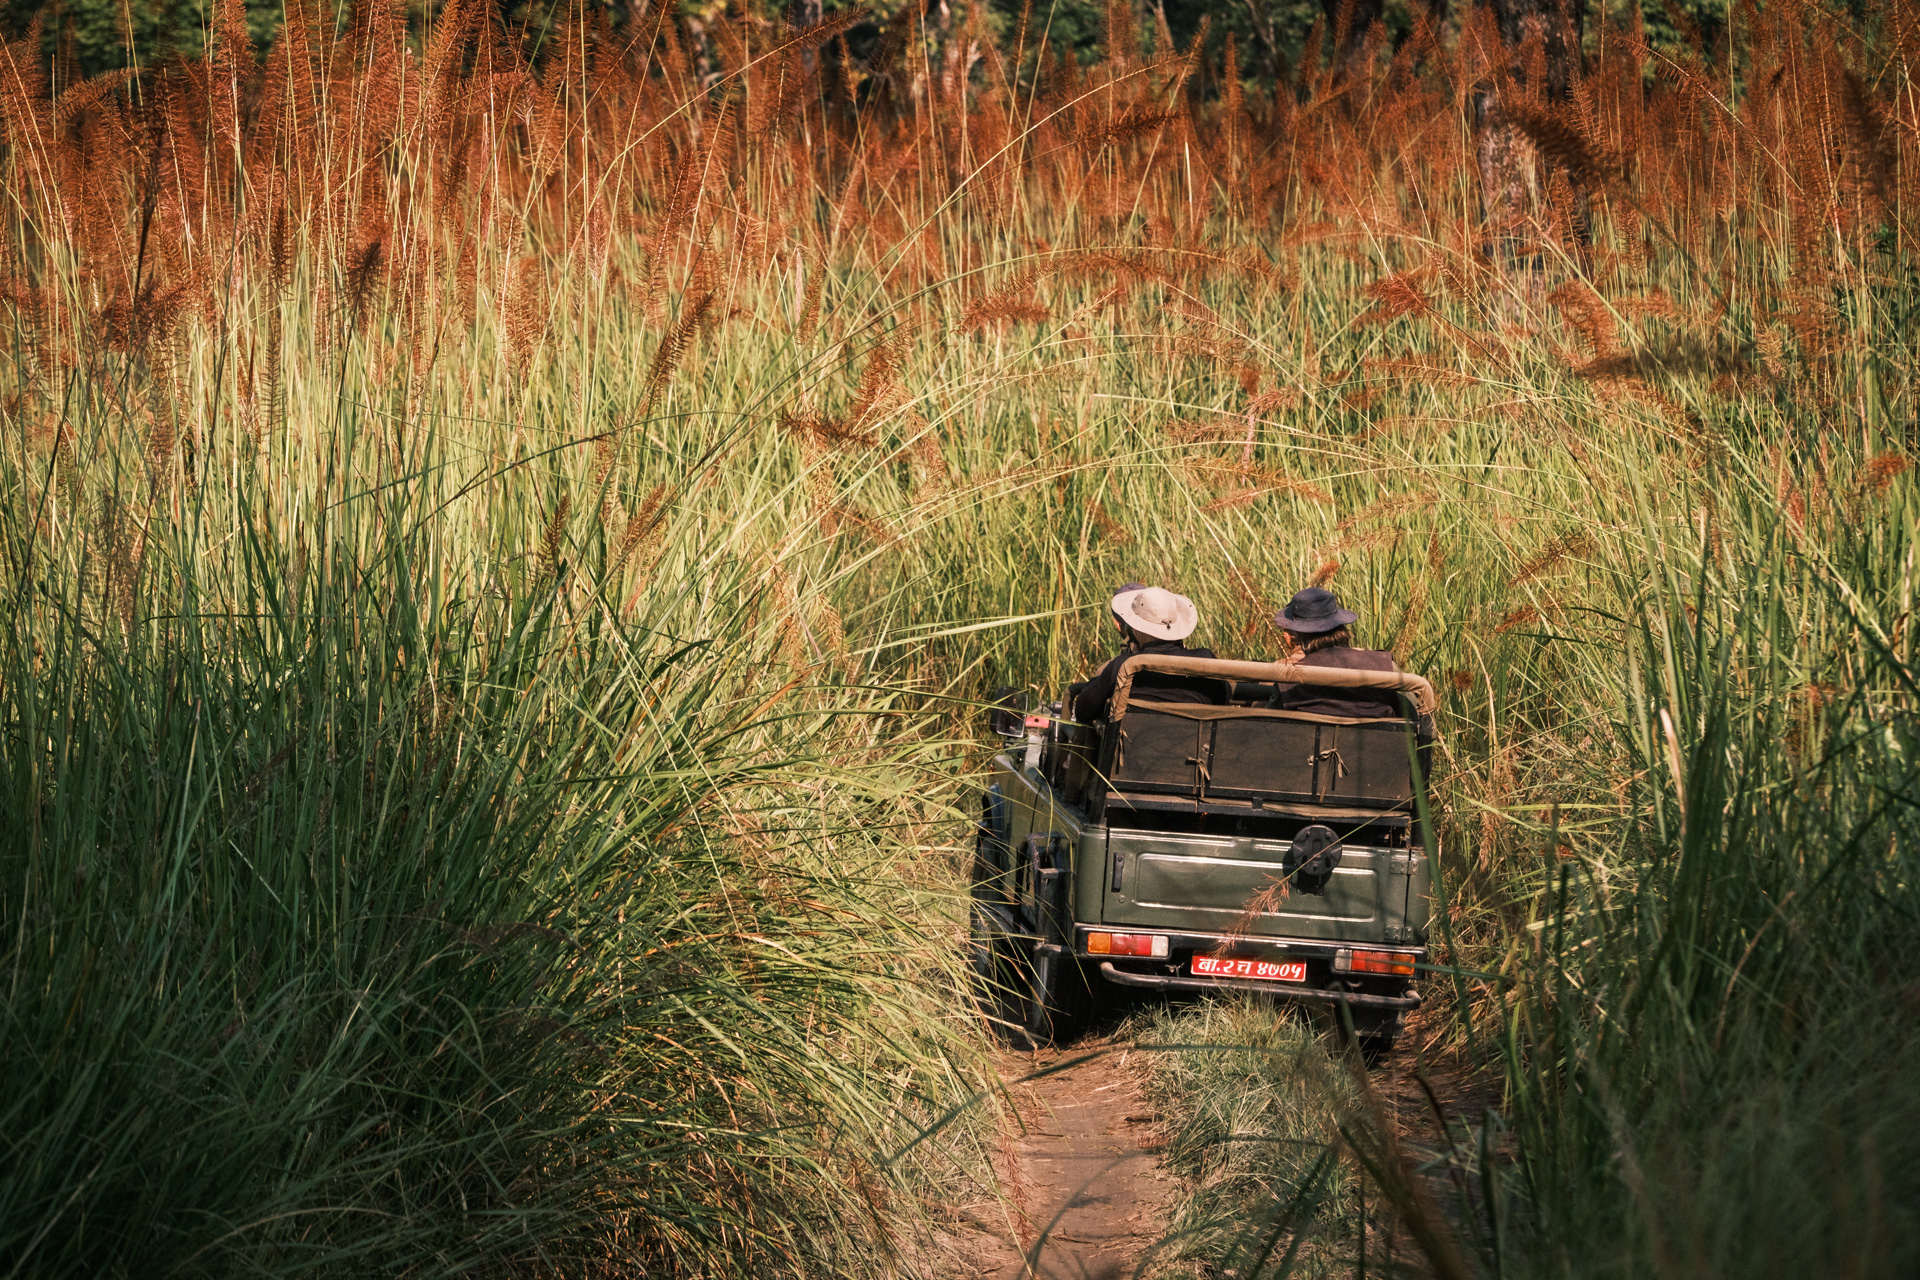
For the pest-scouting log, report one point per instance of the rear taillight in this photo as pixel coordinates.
(1396, 963)
(1128, 944)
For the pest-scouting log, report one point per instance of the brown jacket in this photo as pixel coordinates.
(1356, 703)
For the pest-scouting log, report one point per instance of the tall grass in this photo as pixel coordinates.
(1729, 1021)
(362, 921)
(490, 523)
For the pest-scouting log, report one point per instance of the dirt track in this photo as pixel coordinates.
(1078, 1165)
(1080, 1170)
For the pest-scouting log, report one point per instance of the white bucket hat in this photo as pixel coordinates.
(1157, 612)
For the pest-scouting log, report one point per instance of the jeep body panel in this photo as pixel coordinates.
(1206, 882)
(1235, 883)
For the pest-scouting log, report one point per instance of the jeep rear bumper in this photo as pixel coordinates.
(1167, 982)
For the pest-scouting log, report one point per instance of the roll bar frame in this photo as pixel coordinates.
(1415, 687)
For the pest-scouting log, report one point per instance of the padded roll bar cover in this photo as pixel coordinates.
(1415, 687)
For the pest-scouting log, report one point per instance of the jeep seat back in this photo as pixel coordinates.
(1255, 754)
(1259, 754)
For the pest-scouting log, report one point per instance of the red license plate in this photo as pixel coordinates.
(1272, 970)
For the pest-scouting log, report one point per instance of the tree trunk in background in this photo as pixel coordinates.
(1348, 22)
(809, 18)
(1260, 18)
(1509, 175)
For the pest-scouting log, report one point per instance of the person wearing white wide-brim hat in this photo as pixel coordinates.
(1152, 620)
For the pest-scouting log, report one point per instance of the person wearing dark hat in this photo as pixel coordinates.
(1317, 630)
(1152, 620)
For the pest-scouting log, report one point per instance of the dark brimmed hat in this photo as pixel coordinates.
(1314, 610)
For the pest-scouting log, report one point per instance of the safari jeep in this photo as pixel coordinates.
(1191, 848)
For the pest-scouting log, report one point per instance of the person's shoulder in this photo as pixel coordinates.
(1352, 659)
(1201, 651)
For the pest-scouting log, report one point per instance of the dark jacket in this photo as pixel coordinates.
(1324, 700)
(1148, 686)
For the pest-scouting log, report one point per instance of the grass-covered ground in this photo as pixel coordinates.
(498, 540)
(1251, 1102)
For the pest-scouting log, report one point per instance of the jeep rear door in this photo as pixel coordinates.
(1219, 883)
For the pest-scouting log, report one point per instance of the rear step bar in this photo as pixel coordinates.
(1355, 999)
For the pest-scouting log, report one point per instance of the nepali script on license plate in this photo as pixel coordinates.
(1272, 970)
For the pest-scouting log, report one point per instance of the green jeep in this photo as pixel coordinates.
(1186, 847)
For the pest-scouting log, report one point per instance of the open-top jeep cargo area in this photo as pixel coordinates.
(1195, 847)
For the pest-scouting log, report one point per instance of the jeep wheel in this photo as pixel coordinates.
(1373, 1034)
(1374, 1049)
(999, 971)
(1060, 996)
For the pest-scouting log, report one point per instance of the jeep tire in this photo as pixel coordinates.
(1001, 973)
(1061, 996)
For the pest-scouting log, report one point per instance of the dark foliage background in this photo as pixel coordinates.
(1270, 35)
